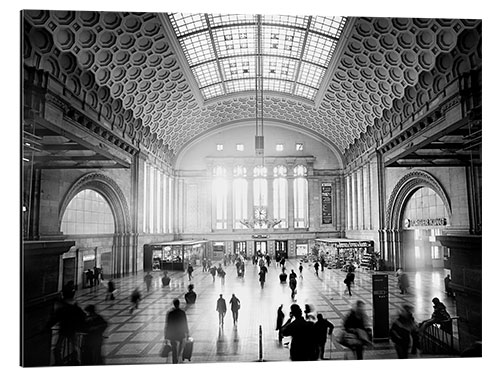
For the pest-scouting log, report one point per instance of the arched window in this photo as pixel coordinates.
(240, 196)
(280, 189)
(88, 213)
(220, 197)
(260, 186)
(300, 197)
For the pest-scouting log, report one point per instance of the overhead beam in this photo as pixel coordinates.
(70, 158)
(443, 146)
(64, 147)
(79, 165)
(436, 156)
(427, 164)
(83, 136)
(420, 139)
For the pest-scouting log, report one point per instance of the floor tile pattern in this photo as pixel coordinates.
(136, 338)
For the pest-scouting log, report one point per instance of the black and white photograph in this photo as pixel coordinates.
(212, 185)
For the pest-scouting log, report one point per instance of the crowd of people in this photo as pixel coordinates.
(308, 330)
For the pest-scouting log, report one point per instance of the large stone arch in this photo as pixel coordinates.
(123, 242)
(111, 192)
(403, 191)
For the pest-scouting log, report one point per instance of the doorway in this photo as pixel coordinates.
(240, 248)
(281, 249)
(261, 247)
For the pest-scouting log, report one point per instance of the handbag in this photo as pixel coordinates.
(167, 348)
(349, 339)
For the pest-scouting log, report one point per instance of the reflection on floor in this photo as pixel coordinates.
(137, 338)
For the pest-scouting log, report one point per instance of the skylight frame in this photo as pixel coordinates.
(221, 51)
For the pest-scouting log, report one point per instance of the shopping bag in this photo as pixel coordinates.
(188, 349)
(167, 348)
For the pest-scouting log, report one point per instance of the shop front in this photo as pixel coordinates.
(174, 255)
(339, 252)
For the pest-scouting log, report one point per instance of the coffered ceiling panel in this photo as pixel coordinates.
(319, 77)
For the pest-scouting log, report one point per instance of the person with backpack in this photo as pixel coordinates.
(235, 307)
(348, 281)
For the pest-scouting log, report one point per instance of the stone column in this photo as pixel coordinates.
(290, 203)
(361, 199)
(369, 197)
(230, 210)
(354, 192)
(348, 201)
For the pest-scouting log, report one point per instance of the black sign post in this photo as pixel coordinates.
(380, 291)
(326, 203)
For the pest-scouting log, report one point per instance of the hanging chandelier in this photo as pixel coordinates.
(260, 220)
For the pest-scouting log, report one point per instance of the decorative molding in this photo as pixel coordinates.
(401, 193)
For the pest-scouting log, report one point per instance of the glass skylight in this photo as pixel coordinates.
(221, 51)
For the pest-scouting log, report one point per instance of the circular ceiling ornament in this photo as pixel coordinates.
(85, 59)
(388, 41)
(446, 39)
(37, 17)
(104, 57)
(85, 38)
(131, 24)
(102, 76)
(64, 17)
(382, 25)
(134, 72)
(110, 20)
(64, 38)
(107, 39)
(126, 41)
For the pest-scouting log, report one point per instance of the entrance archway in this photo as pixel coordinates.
(396, 239)
(123, 250)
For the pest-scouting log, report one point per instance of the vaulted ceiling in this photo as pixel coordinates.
(134, 68)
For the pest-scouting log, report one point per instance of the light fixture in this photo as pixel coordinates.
(260, 220)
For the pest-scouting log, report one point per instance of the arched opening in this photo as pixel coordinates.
(418, 210)
(424, 217)
(95, 206)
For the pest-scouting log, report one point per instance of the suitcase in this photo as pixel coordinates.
(188, 349)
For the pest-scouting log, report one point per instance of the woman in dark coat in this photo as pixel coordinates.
(404, 332)
(355, 326)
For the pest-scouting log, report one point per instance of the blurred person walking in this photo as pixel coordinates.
(110, 293)
(356, 332)
(135, 297)
(190, 296)
(235, 306)
(221, 309)
(348, 281)
(404, 332)
(176, 329)
(148, 279)
(190, 270)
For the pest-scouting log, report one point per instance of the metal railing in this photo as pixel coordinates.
(439, 338)
(66, 351)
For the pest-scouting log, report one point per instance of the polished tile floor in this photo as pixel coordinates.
(136, 338)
